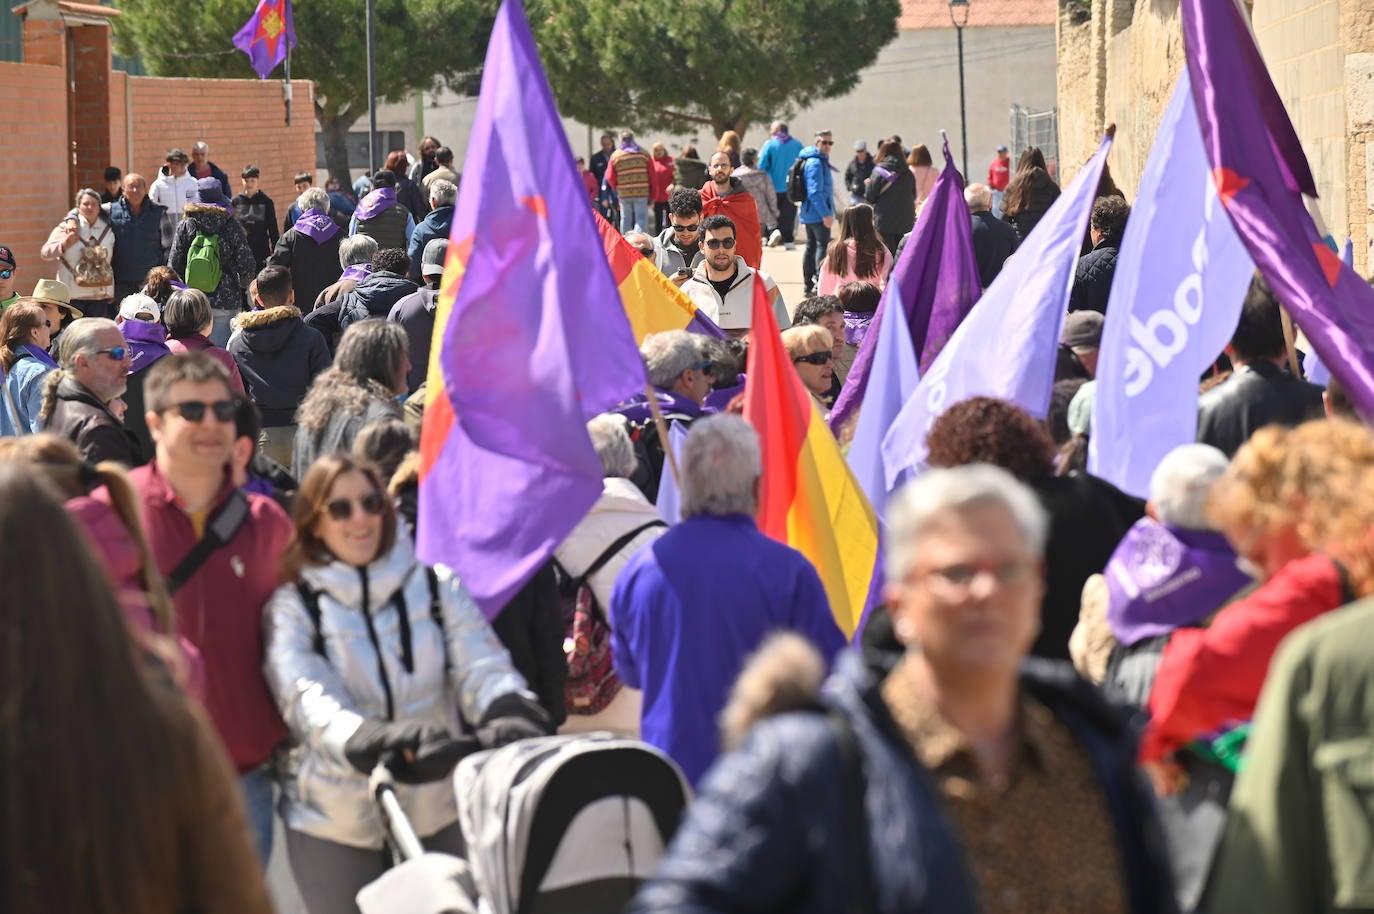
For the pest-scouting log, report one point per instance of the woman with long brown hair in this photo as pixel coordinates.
(1030, 193)
(924, 171)
(116, 795)
(892, 192)
(25, 335)
(858, 255)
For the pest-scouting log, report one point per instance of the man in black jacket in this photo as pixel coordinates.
(1260, 392)
(95, 369)
(993, 239)
(1092, 280)
(856, 175)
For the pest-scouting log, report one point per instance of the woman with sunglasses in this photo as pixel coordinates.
(25, 334)
(810, 347)
(374, 657)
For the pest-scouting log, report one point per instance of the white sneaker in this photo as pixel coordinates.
(789, 246)
(775, 239)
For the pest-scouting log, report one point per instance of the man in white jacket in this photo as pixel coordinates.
(723, 284)
(175, 186)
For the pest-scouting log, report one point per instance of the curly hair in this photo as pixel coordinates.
(988, 430)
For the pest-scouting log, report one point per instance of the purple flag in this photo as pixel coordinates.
(891, 382)
(937, 278)
(1260, 173)
(1313, 366)
(267, 33)
(1008, 345)
(531, 340)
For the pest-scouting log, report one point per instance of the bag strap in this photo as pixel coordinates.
(311, 598)
(862, 897)
(222, 527)
(436, 613)
(614, 548)
(1347, 589)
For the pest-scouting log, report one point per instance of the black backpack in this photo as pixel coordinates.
(796, 182)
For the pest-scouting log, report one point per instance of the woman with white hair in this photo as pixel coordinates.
(1173, 568)
(310, 249)
(620, 524)
(950, 776)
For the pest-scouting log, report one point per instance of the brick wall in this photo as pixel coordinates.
(33, 185)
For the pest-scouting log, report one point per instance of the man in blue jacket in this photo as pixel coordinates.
(442, 196)
(818, 210)
(775, 158)
(143, 234)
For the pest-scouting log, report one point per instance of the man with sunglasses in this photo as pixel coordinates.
(723, 284)
(676, 252)
(726, 195)
(218, 547)
(8, 295)
(94, 368)
(818, 209)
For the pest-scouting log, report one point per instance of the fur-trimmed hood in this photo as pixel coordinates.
(256, 320)
(785, 674)
(270, 330)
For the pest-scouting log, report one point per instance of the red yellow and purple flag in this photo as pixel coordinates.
(652, 303)
(266, 35)
(530, 337)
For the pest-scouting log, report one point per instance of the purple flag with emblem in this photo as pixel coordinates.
(1007, 346)
(937, 278)
(266, 34)
(1261, 174)
(531, 341)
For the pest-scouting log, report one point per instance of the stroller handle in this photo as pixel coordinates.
(383, 787)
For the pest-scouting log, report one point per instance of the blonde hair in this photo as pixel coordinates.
(806, 340)
(729, 142)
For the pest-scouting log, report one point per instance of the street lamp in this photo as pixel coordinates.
(958, 15)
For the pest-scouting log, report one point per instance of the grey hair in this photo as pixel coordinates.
(1179, 485)
(187, 312)
(720, 465)
(978, 197)
(443, 192)
(917, 506)
(612, 443)
(372, 350)
(86, 192)
(668, 354)
(313, 198)
(201, 144)
(80, 339)
(357, 249)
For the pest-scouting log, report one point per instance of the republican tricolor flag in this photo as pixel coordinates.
(652, 303)
(809, 499)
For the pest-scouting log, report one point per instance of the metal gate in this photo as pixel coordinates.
(1036, 128)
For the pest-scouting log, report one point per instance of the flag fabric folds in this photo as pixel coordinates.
(530, 341)
(266, 35)
(1180, 280)
(1007, 346)
(1312, 366)
(937, 278)
(892, 379)
(669, 501)
(1261, 174)
(652, 303)
(809, 499)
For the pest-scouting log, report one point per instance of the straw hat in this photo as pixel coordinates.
(53, 292)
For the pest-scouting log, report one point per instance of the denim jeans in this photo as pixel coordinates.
(634, 214)
(817, 240)
(256, 788)
(787, 217)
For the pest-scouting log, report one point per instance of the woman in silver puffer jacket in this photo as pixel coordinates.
(372, 656)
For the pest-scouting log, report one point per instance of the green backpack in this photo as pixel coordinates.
(202, 263)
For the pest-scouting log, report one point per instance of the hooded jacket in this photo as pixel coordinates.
(236, 261)
(373, 297)
(83, 419)
(735, 310)
(147, 343)
(278, 357)
(436, 225)
(325, 698)
(820, 187)
(25, 381)
(314, 265)
(892, 191)
(258, 215)
(175, 193)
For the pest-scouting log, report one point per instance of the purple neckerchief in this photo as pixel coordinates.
(630, 147)
(357, 271)
(317, 226)
(1161, 578)
(259, 485)
(179, 285)
(718, 400)
(856, 326)
(376, 203)
(782, 136)
(883, 173)
(39, 354)
(636, 409)
(147, 343)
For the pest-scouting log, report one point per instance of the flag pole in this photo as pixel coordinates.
(286, 85)
(1290, 343)
(663, 433)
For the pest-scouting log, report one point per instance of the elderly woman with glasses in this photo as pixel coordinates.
(25, 334)
(950, 775)
(811, 348)
(373, 657)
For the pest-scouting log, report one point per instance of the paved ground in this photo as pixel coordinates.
(786, 269)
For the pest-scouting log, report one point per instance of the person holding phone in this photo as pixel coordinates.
(677, 248)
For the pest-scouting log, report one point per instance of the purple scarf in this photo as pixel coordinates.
(1162, 578)
(718, 400)
(630, 147)
(782, 136)
(376, 203)
(636, 409)
(179, 285)
(856, 326)
(317, 226)
(39, 354)
(357, 271)
(147, 343)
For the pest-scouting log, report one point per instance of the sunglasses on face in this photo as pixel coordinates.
(114, 352)
(341, 509)
(716, 244)
(686, 229)
(194, 410)
(705, 367)
(6, 274)
(826, 143)
(816, 358)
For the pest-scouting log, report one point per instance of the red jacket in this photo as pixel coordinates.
(999, 174)
(660, 177)
(219, 610)
(1211, 677)
(739, 205)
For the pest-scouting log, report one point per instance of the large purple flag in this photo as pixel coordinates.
(1261, 173)
(937, 278)
(1313, 366)
(1007, 346)
(891, 382)
(264, 38)
(531, 340)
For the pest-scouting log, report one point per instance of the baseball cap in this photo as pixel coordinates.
(1082, 330)
(7, 258)
(140, 307)
(432, 261)
(1001, 149)
(861, 146)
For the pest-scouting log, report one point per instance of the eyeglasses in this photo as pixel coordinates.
(47, 324)
(716, 244)
(647, 252)
(685, 229)
(341, 509)
(816, 358)
(194, 410)
(826, 143)
(6, 274)
(705, 367)
(114, 352)
(955, 582)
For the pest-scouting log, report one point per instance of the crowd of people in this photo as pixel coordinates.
(209, 436)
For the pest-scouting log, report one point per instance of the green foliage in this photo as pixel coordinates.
(661, 65)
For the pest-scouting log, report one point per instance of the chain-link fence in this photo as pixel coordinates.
(1036, 128)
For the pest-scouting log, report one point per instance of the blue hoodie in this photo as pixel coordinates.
(820, 187)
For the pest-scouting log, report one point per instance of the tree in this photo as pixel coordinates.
(420, 46)
(723, 63)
